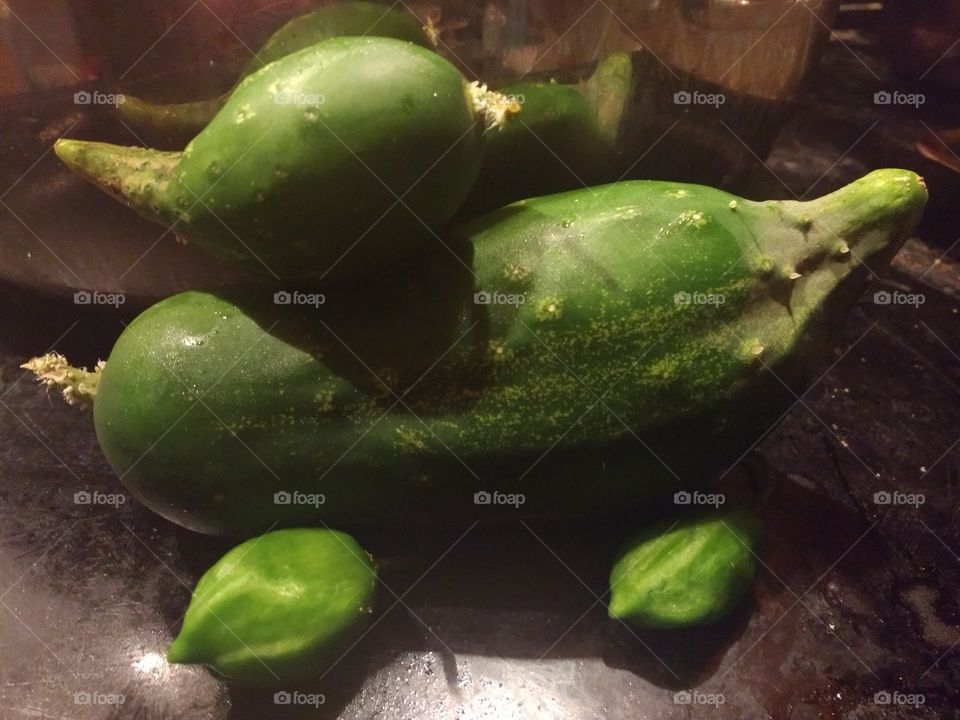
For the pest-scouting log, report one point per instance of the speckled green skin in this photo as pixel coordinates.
(309, 187)
(598, 393)
(690, 571)
(278, 607)
(180, 122)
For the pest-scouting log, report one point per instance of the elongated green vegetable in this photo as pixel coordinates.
(278, 607)
(565, 139)
(176, 124)
(332, 162)
(592, 351)
(688, 571)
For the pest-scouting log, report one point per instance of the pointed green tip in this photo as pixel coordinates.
(69, 151)
(136, 176)
(615, 608)
(181, 653)
(90, 160)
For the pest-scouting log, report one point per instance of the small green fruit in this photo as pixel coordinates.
(687, 572)
(278, 607)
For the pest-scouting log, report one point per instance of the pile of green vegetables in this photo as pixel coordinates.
(412, 357)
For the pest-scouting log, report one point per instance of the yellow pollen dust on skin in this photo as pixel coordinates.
(515, 272)
(550, 309)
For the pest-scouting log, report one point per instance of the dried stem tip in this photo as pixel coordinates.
(79, 386)
(495, 108)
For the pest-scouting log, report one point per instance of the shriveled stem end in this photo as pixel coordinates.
(79, 386)
(494, 108)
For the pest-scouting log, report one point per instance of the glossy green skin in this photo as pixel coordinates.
(179, 122)
(309, 188)
(278, 607)
(690, 571)
(553, 145)
(598, 393)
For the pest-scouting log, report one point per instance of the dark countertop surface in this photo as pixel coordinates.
(853, 599)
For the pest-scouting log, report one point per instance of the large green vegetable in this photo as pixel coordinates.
(329, 162)
(278, 607)
(659, 327)
(178, 123)
(684, 572)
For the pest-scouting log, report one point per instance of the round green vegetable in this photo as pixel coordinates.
(579, 353)
(685, 572)
(331, 162)
(179, 122)
(278, 607)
